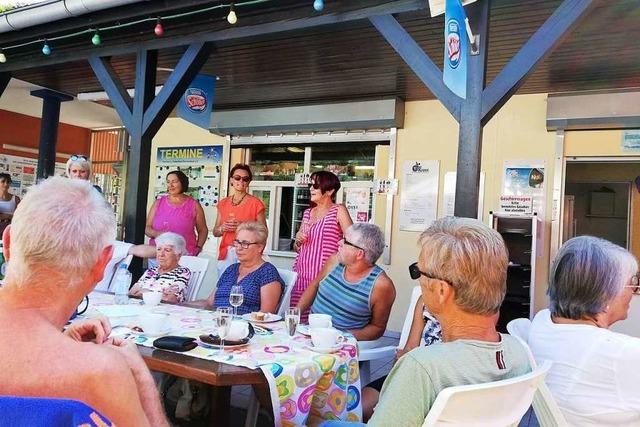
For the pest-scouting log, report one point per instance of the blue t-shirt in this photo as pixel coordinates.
(251, 285)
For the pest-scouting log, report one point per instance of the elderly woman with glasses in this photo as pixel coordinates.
(179, 213)
(261, 284)
(594, 377)
(79, 167)
(322, 227)
(234, 210)
(168, 276)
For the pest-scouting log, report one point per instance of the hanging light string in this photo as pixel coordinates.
(157, 19)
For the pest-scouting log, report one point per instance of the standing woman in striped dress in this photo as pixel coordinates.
(323, 225)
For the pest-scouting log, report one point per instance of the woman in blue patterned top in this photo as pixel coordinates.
(261, 284)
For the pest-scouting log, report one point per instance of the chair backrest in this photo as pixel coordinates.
(520, 328)
(289, 278)
(44, 412)
(120, 255)
(495, 404)
(198, 267)
(416, 297)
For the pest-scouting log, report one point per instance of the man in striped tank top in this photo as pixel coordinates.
(351, 287)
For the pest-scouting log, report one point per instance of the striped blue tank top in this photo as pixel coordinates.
(348, 303)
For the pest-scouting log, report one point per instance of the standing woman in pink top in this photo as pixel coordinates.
(178, 213)
(323, 226)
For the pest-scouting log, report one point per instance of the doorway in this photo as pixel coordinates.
(601, 199)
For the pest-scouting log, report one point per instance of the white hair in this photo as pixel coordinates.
(61, 225)
(81, 163)
(369, 237)
(172, 239)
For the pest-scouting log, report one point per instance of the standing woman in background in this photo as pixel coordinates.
(323, 226)
(179, 213)
(8, 202)
(232, 211)
(79, 167)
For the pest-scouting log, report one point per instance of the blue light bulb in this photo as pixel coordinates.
(318, 5)
(46, 49)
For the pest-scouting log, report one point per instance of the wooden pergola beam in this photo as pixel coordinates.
(111, 84)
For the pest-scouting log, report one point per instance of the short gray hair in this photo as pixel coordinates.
(84, 164)
(587, 273)
(472, 258)
(172, 239)
(61, 225)
(369, 237)
(256, 228)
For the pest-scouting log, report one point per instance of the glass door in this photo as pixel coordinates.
(266, 194)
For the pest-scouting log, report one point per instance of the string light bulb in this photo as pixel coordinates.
(232, 18)
(46, 50)
(96, 39)
(318, 5)
(3, 57)
(158, 29)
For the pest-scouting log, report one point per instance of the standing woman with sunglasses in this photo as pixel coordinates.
(79, 167)
(232, 211)
(323, 226)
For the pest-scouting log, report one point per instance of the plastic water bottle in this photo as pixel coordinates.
(121, 284)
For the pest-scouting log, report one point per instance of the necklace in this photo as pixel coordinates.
(234, 203)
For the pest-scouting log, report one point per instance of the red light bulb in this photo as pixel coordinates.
(158, 30)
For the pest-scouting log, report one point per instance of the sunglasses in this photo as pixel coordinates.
(244, 244)
(415, 273)
(241, 178)
(635, 284)
(314, 185)
(80, 157)
(346, 242)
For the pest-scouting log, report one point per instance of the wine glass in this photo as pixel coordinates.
(291, 319)
(236, 298)
(223, 321)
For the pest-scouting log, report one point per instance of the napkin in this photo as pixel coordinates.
(239, 330)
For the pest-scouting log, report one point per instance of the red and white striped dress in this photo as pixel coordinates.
(322, 242)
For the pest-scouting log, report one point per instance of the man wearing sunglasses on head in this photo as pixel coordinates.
(352, 288)
(232, 211)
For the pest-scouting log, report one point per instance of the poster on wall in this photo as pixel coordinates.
(526, 178)
(201, 164)
(449, 196)
(419, 194)
(358, 203)
(23, 172)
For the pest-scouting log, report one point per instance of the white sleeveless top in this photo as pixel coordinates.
(8, 207)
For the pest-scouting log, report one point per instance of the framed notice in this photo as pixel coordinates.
(358, 203)
(526, 178)
(419, 194)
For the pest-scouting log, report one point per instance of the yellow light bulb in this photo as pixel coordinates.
(231, 17)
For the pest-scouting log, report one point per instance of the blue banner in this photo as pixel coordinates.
(456, 45)
(197, 102)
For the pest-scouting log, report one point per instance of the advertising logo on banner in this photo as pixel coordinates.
(455, 48)
(197, 102)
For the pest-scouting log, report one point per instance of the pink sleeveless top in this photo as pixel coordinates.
(179, 219)
(321, 243)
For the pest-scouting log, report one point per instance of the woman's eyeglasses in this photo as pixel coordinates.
(314, 185)
(635, 284)
(241, 178)
(79, 157)
(244, 244)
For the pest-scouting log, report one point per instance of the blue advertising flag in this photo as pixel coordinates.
(455, 48)
(197, 102)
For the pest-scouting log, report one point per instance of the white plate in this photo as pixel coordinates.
(268, 318)
(226, 346)
(324, 349)
(155, 334)
(304, 329)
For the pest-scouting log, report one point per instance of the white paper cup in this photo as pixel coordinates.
(326, 337)
(152, 297)
(317, 320)
(154, 323)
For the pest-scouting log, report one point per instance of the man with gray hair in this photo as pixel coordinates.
(351, 287)
(60, 242)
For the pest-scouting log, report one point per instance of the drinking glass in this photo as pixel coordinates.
(291, 320)
(236, 298)
(223, 321)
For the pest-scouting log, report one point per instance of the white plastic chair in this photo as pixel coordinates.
(289, 278)
(545, 406)
(120, 255)
(374, 350)
(495, 404)
(198, 267)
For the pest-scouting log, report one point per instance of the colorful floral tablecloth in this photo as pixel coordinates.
(306, 387)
